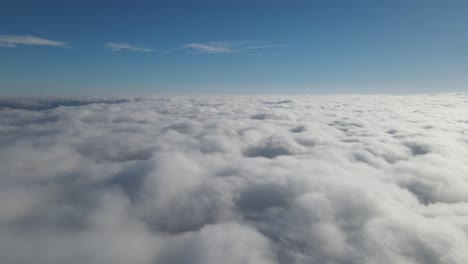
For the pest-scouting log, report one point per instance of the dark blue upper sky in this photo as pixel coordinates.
(150, 47)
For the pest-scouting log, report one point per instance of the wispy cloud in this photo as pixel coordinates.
(266, 46)
(208, 47)
(124, 46)
(229, 46)
(11, 41)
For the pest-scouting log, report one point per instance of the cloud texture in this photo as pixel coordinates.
(124, 46)
(324, 179)
(11, 41)
(229, 46)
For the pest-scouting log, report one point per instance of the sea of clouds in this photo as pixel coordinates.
(235, 179)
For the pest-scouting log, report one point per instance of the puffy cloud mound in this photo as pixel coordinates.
(306, 179)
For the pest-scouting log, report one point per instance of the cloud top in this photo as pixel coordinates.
(234, 179)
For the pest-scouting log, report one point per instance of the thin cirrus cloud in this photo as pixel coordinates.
(228, 46)
(124, 46)
(11, 41)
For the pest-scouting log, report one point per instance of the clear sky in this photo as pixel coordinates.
(232, 47)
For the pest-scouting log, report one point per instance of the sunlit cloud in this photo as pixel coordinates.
(234, 179)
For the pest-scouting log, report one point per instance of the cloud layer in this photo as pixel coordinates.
(326, 179)
(12, 41)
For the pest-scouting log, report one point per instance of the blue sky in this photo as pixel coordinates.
(232, 47)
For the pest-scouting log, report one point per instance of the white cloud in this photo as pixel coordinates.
(123, 46)
(228, 46)
(12, 41)
(241, 179)
(209, 47)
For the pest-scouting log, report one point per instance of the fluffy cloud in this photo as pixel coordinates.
(12, 41)
(309, 179)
